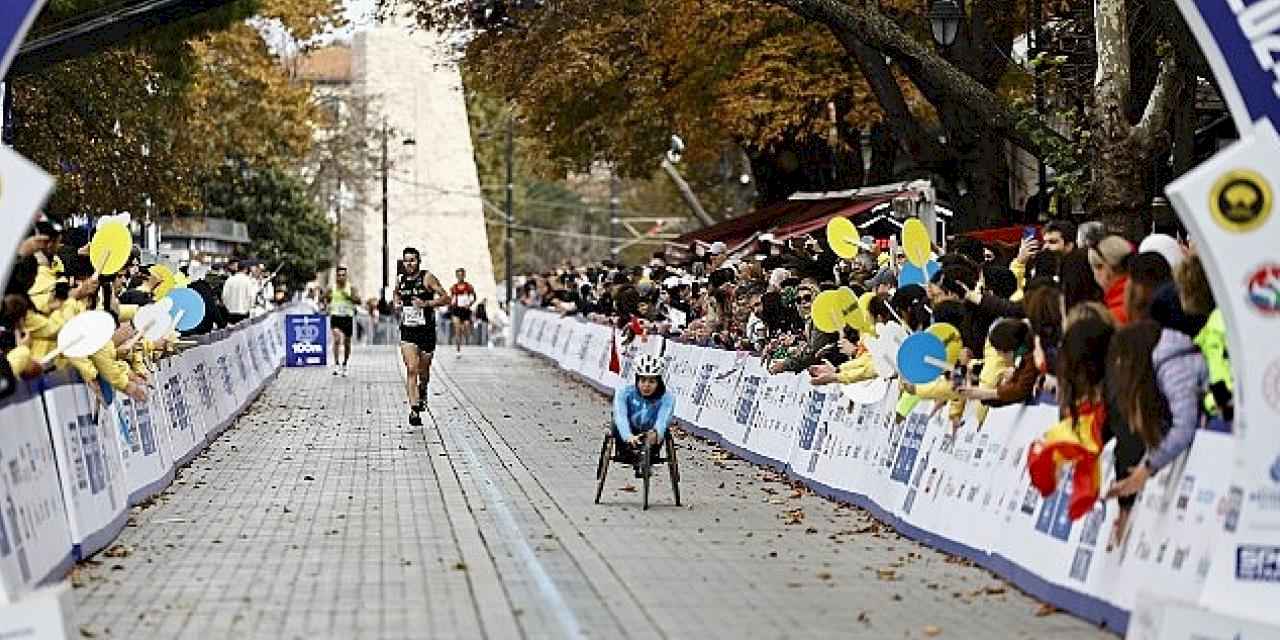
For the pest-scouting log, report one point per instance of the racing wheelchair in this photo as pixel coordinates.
(611, 452)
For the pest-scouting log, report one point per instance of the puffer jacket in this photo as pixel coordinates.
(1181, 376)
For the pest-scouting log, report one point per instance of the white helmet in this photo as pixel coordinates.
(649, 365)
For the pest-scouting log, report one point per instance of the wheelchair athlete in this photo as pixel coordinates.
(642, 412)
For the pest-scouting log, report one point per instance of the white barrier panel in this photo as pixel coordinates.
(35, 543)
(93, 484)
(185, 436)
(966, 491)
(43, 614)
(146, 469)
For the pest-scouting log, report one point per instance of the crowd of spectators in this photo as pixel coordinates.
(52, 280)
(1081, 317)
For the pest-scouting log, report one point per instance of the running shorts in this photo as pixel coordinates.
(463, 314)
(423, 337)
(345, 324)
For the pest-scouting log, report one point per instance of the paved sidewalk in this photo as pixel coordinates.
(322, 514)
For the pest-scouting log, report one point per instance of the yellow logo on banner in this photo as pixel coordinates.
(1240, 200)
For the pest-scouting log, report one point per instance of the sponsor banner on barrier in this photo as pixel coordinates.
(88, 463)
(1157, 618)
(306, 337)
(1229, 204)
(69, 465)
(34, 539)
(44, 614)
(970, 491)
(142, 457)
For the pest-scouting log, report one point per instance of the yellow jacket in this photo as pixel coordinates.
(113, 370)
(19, 359)
(993, 364)
(857, 369)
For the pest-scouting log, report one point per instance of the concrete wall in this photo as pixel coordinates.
(434, 201)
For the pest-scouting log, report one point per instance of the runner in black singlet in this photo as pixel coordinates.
(417, 294)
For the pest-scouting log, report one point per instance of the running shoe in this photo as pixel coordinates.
(415, 420)
(344, 371)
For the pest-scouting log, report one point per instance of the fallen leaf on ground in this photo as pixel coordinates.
(931, 630)
(117, 551)
(1046, 609)
(631, 488)
(886, 574)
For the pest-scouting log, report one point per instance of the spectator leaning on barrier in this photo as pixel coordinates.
(1110, 263)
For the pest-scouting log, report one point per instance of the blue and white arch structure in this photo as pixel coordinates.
(1228, 205)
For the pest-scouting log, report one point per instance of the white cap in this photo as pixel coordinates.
(671, 282)
(768, 237)
(717, 248)
(1166, 246)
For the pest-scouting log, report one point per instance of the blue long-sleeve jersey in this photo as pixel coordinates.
(633, 412)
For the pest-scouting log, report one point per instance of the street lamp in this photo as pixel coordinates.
(944, 21)
(386, 249)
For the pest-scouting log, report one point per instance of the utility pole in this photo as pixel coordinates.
(1037, 14)
(613, 215)
(338, 238)
(508, 242)
(386, 252)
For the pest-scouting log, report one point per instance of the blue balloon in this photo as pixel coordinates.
(913, 355)
(190, 304)
(911, 274)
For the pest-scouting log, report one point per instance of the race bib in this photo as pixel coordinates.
(342, 309)
(414, 317)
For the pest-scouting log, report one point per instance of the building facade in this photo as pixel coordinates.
(434, 199)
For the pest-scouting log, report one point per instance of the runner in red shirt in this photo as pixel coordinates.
(463, 297)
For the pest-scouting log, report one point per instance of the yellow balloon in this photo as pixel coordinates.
(915, 242)
(180, 280)
(110, 249)
(861, 319)
(950, 337)
(843, 237)
(167, 282)
(829, 309)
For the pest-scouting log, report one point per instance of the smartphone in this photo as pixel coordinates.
(975, 370)
(958, 376)
(1029, 233)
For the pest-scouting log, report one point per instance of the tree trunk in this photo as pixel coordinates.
(884, 154)
(865, 23)
(1124, 152)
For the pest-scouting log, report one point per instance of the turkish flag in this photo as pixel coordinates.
(615, 363)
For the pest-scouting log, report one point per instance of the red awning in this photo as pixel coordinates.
(809, 224)
(1006, 235)
(783, 218)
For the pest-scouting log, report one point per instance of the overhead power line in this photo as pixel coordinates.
(103, 29)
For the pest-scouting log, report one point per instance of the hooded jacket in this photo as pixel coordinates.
(1181, 376)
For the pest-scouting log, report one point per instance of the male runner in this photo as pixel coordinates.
(463, 297)
(342, 313)
(417, 292)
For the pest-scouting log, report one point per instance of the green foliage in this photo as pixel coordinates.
(541, 201)
(284, 223)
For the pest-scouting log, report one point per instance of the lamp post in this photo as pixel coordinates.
(944, 21)
(508, 243)
(386, 249)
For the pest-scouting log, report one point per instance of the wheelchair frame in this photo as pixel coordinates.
(646, 465)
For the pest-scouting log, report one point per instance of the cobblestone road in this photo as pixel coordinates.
(322, 514)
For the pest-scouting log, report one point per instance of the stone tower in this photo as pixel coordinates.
(434, 199)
